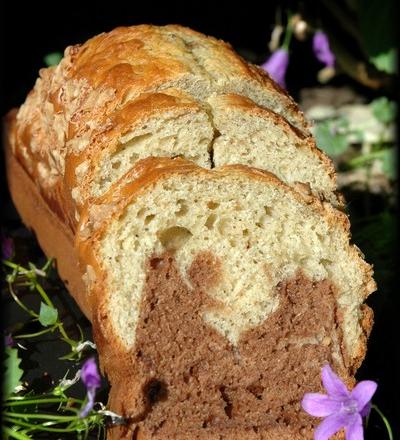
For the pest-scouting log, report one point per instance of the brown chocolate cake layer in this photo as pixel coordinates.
(194, 382)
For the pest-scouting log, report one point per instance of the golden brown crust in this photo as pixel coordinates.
(54, 236)
(367, 321)
(219, 51)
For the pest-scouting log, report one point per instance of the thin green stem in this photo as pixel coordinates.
(41, 427)
(33, 335)
(15, 434)
(23, 284)
(80, 332)
(43, 294)
(56, 418)
(288, 36)
(11, 264)
(24, 402)
(21, 304)
(47, 264)
(15, 398)
(33, 282)
(66, 338)
(385, 421)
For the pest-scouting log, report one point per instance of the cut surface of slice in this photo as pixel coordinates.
(251, 135)
(168, 124)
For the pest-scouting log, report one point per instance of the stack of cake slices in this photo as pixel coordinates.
(199, 228)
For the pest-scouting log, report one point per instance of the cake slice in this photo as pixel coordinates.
(227, 129)
(216, 297)
(258, 137)
(165, 124)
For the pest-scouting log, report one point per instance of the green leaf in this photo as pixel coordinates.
(385, 61)
(378, 32)
(384, 110)
(12, 372)
(48, 315)
(389, 163)
(330, 140)
(52, 59)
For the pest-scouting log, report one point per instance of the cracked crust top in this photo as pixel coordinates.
(72, 100)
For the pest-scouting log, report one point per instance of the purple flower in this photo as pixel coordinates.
(7, 247)
(91, 378)
(322, 49)
(340, 407)
(276, 66)
(8, 340)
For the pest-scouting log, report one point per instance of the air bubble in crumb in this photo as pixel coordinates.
(212, 205)
(174, 238)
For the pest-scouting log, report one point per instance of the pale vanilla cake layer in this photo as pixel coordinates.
(261, 231)
(168, 124)
(251, 135)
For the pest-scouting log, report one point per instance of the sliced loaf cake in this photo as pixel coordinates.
(221, 293)
(216, 291)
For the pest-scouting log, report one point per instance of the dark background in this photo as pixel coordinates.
(33, 30)
(30, 30)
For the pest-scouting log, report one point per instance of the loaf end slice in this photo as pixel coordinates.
(258, 137)
(221, 293)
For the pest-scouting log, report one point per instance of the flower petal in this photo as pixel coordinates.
(366, 410)
(355, 431)
(7, 247)
(89, 404)
(276, 66)
(8, 340)
(333, 384)
(322, 49)
(363, 393)
(330, 426)
(90, 375)
(319, 405)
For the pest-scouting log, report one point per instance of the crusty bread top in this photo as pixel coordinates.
(140, 58)
(82, 166)
(251, 120)
(71, 99)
